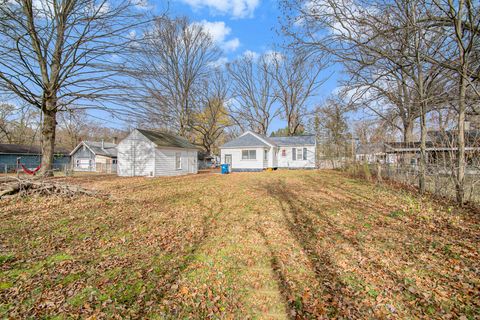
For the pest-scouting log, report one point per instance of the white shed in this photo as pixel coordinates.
(152, 154)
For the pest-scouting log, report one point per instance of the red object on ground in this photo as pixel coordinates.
(30, 172)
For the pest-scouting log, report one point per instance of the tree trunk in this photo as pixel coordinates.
(423, 147)
(48, 141)
(460, 181)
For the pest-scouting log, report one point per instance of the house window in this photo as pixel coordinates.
(178, 160)
(299, 154)
(304, 153)
(249, 154)
(265, 155)
(284, 153)
(77, 163)
(294, 153)
(114, 161)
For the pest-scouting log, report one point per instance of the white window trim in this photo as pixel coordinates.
(248, 152)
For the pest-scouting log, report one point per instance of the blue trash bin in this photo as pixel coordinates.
(225, 168)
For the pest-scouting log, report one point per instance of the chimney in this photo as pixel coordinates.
(103, 144)
(115, 140)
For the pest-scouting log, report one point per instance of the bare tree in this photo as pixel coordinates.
(253, 90)
(211, 119)
(297, 78)
(60, 54)
(172, 63)
(18, 124)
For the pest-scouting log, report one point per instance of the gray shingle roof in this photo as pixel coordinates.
(108, 150)
(250, 140)
(304, 140)
(247, 140)
(164, 139)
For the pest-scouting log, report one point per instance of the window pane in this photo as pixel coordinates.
(284, 153)
(244, 154)
(304, 153)
(294, 153)
(253, 154)
(299, 154)
(265, 154)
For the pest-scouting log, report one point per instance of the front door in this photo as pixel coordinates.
(228, 159)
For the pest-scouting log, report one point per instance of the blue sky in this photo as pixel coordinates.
(239, 26)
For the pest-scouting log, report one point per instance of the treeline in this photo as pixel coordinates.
(409, 62)
(154, 71)
(22, 125)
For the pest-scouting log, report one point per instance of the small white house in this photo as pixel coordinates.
(254, 152)
(152, 154)
(95, 156)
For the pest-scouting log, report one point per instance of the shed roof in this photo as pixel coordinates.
(164, 139)
(7, 148)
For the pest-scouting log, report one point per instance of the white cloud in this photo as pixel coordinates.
(251, 54)
(235, 8)
(219, 63)
(219, 32)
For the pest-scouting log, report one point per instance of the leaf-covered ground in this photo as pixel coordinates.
(272, 245)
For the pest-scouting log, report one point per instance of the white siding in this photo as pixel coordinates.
(165, 162)
(240, 164)
(136, 156)
(288, 162)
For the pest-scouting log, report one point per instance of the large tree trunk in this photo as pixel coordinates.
(48, 141)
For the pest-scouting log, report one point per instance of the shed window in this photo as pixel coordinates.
(304, 153)
(249, 154)
(294, 153)
(265, 155)
(178, 160)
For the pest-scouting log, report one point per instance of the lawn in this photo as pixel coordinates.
(271, 245)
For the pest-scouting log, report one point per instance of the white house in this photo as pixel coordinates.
(152, 154)
(95, 156)
(253, 152)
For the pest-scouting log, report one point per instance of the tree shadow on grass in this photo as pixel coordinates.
(307, 222)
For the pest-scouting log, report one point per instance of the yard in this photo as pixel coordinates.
(271, 245)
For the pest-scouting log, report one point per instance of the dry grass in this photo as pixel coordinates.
(287, 244)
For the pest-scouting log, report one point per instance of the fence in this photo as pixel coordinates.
(62, 169)
(439, 179)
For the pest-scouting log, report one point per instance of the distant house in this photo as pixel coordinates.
(13, 155)
(95, 156)
(253, 152)
(441, 148)
(152, 154)
(371, 153)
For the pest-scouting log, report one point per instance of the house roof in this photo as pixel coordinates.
(251, 139)
(304, 140)
(371, 148)
(108, 149)
(27, 149)
(164, 139)
(248, 139)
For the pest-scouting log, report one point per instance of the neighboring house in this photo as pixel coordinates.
(254, 152)
(152, 154)
(13, 155)
(441, 148)
(371, 153)
(95, 156)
